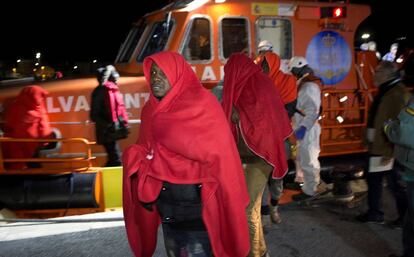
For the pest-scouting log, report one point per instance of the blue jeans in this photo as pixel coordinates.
(408, 226)
(186, 243)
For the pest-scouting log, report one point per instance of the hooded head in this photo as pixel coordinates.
(168, 73)
(32, 96)
(272, 61)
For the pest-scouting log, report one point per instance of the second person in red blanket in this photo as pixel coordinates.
(184, 171)
(260, 124)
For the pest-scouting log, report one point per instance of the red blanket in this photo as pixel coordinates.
(26, 117)
(185, 139)
(285, 83)
(264, 123)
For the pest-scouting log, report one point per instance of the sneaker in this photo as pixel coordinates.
(301, 197)
(274, 215)
(366, 218)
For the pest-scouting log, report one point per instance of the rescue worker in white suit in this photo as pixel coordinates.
(306, 126)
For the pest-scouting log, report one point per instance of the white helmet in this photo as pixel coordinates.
(264, 45)
(297, 62)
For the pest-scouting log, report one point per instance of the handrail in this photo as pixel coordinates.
(343, 109)
(88, 158)
(344, 126)
(343, 123)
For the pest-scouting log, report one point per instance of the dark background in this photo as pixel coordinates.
(67, 31)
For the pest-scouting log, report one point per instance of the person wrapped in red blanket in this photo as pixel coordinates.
(184, 143)
(26, 117)
(260, 124)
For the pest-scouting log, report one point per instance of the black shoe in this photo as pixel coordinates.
(366, 218)
(301, 197)
(294, 186)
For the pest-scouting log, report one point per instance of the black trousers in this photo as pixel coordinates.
(114, 154)
(374, 180)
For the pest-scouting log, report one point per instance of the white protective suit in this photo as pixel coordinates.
(307, 163)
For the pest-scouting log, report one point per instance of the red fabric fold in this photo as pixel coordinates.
(285, 83)
(264, 122)
(184, 138)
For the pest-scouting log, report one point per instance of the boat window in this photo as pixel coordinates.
(130, 44)
(197, 45)
(157, 39)
(278, 32)
(234, 36)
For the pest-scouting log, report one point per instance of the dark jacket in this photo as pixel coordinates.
(390, 105)
(100, 114)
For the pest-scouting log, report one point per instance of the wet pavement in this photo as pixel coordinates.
(323, 229)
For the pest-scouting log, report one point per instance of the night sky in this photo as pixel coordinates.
(68, 30)
(72, 31)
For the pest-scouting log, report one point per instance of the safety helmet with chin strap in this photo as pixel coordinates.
(297, 62)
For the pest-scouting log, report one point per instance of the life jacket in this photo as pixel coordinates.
(310, 78)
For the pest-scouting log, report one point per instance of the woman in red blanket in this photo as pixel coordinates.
(260, 124)
(26, 117)
(184, 171)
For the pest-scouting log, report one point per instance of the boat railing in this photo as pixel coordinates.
(49, 163)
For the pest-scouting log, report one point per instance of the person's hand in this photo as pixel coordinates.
(300, 133)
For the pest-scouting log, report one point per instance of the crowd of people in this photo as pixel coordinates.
(211, 170)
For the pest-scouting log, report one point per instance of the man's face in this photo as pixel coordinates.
(159, 82)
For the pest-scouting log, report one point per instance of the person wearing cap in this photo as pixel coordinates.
(306, 126)
(109, 114)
